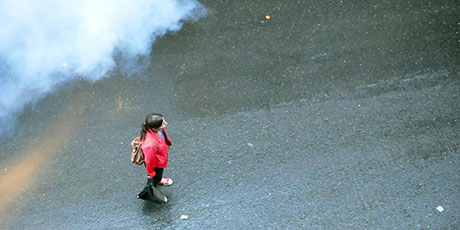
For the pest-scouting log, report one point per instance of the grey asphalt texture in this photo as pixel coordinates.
(330, 115)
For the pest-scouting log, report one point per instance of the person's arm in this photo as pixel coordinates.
(149, 159)
(167, 140)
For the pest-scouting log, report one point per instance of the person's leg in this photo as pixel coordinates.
(158, 176)
(152, 184)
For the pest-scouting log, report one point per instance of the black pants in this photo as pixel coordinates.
(158, 175)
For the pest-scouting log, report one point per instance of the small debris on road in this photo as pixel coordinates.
(440, 208)
(184, 217)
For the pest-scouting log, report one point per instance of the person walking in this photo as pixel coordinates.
(155, 146)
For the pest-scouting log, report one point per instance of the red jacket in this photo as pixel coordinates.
(155, 151)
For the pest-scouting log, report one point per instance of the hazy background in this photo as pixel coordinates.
(44, 44)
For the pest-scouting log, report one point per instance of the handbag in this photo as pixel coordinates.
(137, 156)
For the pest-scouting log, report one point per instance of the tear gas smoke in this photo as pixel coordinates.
(46, 43)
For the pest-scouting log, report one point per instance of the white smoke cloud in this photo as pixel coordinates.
(47, 42)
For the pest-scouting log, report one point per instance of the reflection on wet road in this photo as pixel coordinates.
(19, 176)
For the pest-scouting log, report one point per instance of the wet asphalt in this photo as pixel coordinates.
(330, 115)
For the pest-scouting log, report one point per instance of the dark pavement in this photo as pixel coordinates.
(330, 115)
